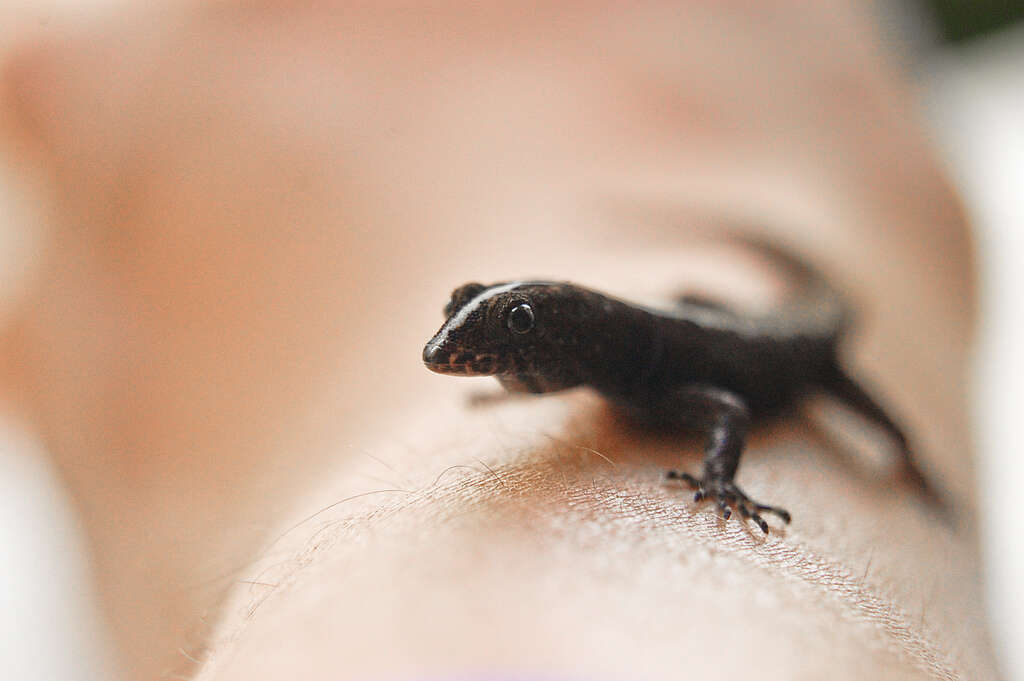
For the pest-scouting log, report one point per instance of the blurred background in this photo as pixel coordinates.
(967, 57)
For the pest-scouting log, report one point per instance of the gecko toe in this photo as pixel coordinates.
(782, 513)
(728, 496)
(690, 480)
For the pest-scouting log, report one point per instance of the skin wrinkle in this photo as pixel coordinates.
(789, 561)
(623, 504)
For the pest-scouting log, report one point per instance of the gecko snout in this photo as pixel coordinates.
(434, 355)
(441, 359)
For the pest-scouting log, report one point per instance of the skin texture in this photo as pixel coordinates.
(252, 215)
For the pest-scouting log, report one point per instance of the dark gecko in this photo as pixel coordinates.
(698, 365)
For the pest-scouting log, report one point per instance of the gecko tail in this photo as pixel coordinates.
(816, 305)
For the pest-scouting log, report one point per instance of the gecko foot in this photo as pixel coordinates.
(728, 495)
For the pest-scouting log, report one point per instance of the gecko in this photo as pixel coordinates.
(698, 365)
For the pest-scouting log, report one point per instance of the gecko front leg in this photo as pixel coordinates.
(726, 419)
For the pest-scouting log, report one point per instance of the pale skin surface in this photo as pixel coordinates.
(255, 219)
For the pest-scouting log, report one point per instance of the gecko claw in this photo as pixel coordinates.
(728, 496)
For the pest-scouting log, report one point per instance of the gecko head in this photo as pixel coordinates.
(508, 330)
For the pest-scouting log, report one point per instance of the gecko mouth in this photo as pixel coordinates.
(458, 363)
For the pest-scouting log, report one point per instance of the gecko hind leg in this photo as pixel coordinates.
(853, 395)
(726, 418)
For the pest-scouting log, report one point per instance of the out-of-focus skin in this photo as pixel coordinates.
(255, 215)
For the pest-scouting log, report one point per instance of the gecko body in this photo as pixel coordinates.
(697, 365)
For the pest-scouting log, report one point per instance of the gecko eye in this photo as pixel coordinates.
(520, 318)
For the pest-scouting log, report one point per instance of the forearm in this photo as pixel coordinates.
(507, 527)
(239, 290)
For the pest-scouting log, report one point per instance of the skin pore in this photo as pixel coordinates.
(255, 216)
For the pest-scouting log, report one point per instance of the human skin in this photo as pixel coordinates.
(255, 215)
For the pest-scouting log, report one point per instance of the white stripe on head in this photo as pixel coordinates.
(460, 317)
